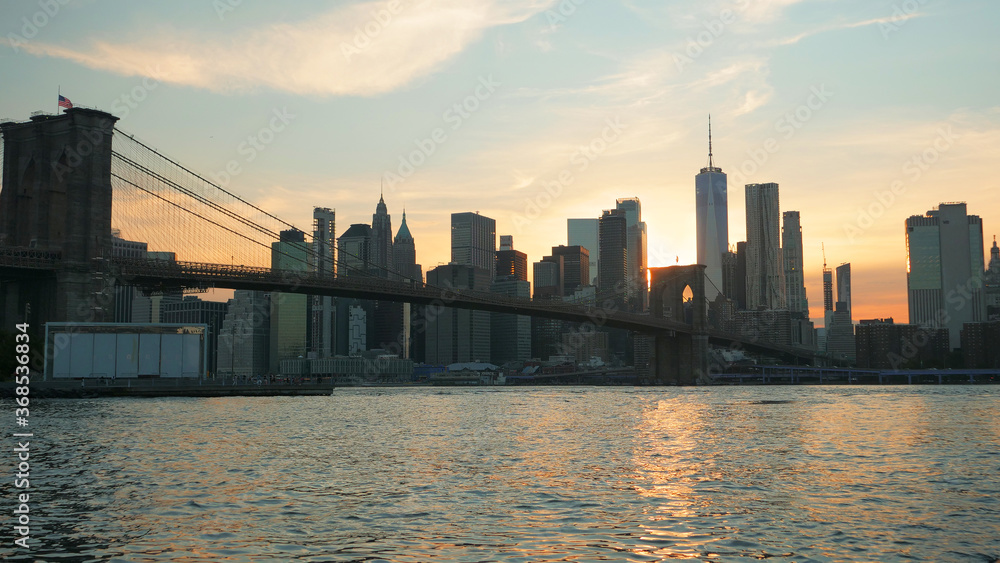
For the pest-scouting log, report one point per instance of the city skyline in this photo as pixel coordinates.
(887, 109)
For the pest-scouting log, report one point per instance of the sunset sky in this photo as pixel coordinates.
(865, 112)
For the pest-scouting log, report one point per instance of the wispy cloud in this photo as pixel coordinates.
(888, 20)
(346, 51)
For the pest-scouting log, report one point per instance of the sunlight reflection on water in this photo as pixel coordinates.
(522, 474)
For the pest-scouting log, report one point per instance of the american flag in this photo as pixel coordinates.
(64, 102)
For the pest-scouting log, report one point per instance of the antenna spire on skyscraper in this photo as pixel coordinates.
(710, 165)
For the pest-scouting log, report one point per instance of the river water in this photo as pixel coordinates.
(799, 473)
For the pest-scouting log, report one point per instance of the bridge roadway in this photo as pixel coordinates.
(158, 275)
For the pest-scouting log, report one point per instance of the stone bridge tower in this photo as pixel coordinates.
(680, 358)
(56, 200)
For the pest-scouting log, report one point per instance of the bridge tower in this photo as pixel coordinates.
(56, 199)
(680, 358)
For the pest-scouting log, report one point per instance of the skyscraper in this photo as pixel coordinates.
(548, 276)
(840, 342)
(575, 267)
(765, 289)
(844, 286)
(473, 240)
(827, 294)
(353, 259)
(381, 244)
(636, 248)
(458, 335)
(992, 284)
(386, 319)
(510, 262)
(585, 233)
(944, 273)
(124, 294)
(791, 251)
(354, 251)
(404, 250)
(510, 335)
(321, 341)
(288, 310)
(613, 234)
(712, 220)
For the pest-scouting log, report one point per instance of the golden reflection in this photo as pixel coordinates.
(666, 455)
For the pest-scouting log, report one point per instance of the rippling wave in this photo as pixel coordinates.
(521, 474)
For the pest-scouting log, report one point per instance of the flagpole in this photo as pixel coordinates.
(57, 99)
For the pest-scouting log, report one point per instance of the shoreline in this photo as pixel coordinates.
(63, 391)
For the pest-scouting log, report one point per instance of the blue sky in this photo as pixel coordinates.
(874, 85)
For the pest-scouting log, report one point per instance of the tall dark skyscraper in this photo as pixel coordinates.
(765, 289)
(458, 335)
(827, 296)
(386, 327)
(511, 262)
(844, 286)
(323, 308)
(840, 342)
(473, 240)
(613, 234)
(944, 252)
(992, 285)
(510, 335)
(354, 250)
(381, 243)
(712, 220)
(791, 251)
(404, 252)
(635, 268)
(575, 267)
(354, 318)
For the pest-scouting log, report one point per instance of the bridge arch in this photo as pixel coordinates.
(680, 358)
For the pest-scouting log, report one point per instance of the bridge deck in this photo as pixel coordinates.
(162, 275)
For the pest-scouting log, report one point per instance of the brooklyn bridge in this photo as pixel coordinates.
(71, 181)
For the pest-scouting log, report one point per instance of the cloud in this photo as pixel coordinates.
(763, 10)
(363, 49)
(893, 20)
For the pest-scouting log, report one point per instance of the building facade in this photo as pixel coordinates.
(612, 276)
(635, 267)
(945, 269)
(586, 233)
(458, 335)
(712, 221)
(510, 335)
(473, 241)
(322, 307)
(510, 262)
(289, 311)
(992, 285)
(791, 253)
(193, 310)
(575, 267)
(883, 344)
(765, 288)
(381, 242)
(844, 286)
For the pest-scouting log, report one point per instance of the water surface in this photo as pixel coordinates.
(520, 474)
